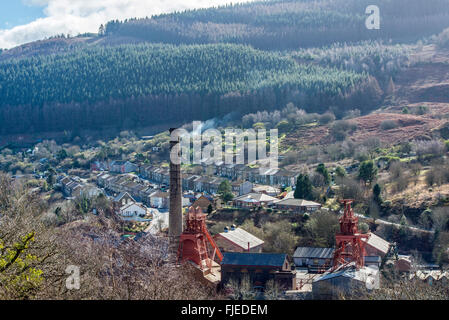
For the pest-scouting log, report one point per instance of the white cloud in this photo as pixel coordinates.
(79, 16)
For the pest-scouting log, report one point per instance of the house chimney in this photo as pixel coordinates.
(175, 215)
(248, 247)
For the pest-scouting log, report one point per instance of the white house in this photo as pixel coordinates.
(124, 198)
(241, 187)
(159, 199)
(133, 210)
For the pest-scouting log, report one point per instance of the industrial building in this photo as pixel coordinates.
(319, 260)
(349, 276)
(260, 268)
(376, 246)
(235, 239)
(346, 281)
(315, 260)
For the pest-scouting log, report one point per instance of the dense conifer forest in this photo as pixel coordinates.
(201, 64)
(161, 83)
(290, 24)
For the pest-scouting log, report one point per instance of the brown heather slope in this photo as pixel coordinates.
(427, 80)
(410, 127)
(424, 83)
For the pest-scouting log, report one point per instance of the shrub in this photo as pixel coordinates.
(432, 147)
(340, 129)
(401, 183)
(279, 237)
(446, 144)
(326, 118)
(350, 189)
(283, 126)
(395, 170)
(388, 124)
(422, 110)
(320, 229)
(340, 171)
(437, 175)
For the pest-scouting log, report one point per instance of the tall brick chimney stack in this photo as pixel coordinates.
(175, 215)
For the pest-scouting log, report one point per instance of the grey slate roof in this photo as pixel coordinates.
(254, 259)
(121, 195)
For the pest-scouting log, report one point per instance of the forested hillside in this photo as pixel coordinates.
(373, 57)
(290, 24)
(206, 63)
(145, 84)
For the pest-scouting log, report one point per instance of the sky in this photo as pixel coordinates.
(23, 21)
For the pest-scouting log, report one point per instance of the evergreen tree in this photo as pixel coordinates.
(367, 171)
(225, 191)
(321, 169)
(303, 188)
(209, 209)
(376, 193)
(340, 172)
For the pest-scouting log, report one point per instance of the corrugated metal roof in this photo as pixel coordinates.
(254, 259)
(314, 253)
(241, 238)
(372, 259)
(350, 272)
(378, 243)
(435, 274)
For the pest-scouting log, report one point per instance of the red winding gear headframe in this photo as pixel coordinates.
(194, 239)
(349, 244)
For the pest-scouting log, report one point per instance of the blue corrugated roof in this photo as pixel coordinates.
(307, 252)
(254, 259)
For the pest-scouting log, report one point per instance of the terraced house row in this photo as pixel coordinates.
(234, 172)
